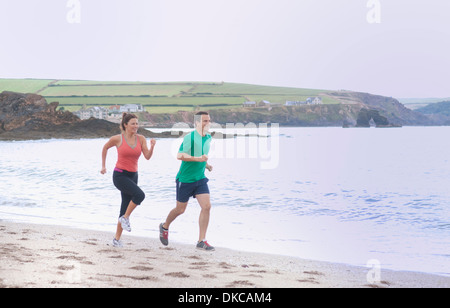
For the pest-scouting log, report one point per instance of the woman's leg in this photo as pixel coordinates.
(131, 207)
(118, 231)
(126, 199)
(132, 196)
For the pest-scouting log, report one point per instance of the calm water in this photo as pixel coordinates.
(333, 194)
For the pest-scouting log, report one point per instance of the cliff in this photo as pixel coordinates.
(310, 115)
(439, 112)
(388, 107)
(29, 116)
(386, 112)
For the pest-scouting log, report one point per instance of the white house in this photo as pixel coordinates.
(249, 104)
(92, 112)
(132, 108)
(294, 103)
(314, 101)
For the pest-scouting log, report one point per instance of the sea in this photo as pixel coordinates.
(354, 196)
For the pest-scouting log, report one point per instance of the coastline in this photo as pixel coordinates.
(35, 256)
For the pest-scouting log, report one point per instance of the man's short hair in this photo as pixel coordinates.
(198, 116)
(201, 113)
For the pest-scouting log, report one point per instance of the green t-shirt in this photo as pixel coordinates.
(195, 145)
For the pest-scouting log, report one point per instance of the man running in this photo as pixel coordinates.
(191, 180)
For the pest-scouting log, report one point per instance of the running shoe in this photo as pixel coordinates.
(117, 243)
(203, 245)
(163, 235)
(125, 222)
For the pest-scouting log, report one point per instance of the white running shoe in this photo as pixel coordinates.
(117, 243)
(125, 222)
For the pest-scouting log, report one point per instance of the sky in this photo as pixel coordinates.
(398, 48)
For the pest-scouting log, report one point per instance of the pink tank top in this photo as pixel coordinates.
(128, 156)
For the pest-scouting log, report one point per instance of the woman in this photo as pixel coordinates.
(129, 145)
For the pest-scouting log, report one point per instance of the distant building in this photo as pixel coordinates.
(249, 104)
(314, 101)
(132, 108)
(114, 109)
(309, 101)
(294, 103)
(92, 112)
(264, 103)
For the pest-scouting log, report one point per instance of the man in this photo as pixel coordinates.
(191, 180)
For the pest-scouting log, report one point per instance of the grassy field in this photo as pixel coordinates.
(157, 97)
(23, 85)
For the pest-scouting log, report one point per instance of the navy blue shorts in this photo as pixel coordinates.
(187, 190)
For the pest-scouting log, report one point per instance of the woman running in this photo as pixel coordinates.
(129, 145)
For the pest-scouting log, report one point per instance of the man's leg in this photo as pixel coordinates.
(177, 211)
(205, 203)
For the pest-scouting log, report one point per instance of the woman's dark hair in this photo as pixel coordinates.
(126, 117)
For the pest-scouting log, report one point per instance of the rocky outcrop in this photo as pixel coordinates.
(29, 116)
(389, 113)
(365, 116)
(388, 107)
(308, 115)
(30, 111)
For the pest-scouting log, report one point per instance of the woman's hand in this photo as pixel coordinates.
(148, 153)
(103, 171)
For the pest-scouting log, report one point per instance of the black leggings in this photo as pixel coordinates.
(126, 182)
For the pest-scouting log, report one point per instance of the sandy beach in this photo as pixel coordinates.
(33, 256)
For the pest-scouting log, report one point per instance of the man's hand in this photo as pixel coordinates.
(203, 158)
(189, 158)
(209, 167)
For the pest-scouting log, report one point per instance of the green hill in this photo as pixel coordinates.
(157, 97)
(164, 100)
(441, 108)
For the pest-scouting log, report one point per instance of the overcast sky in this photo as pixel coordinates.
(323, 44)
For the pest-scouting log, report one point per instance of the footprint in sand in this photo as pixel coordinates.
(240, 283)
(66, 267)
(225, 265)
(311, 279)
(90, 242)
(193, 257)
(177, 275)
(199, 266)
(210, 276)
(308, 280)
(142, 268)
(316, 273)
(73, 258)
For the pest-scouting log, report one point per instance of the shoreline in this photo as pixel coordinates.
(34, 256)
